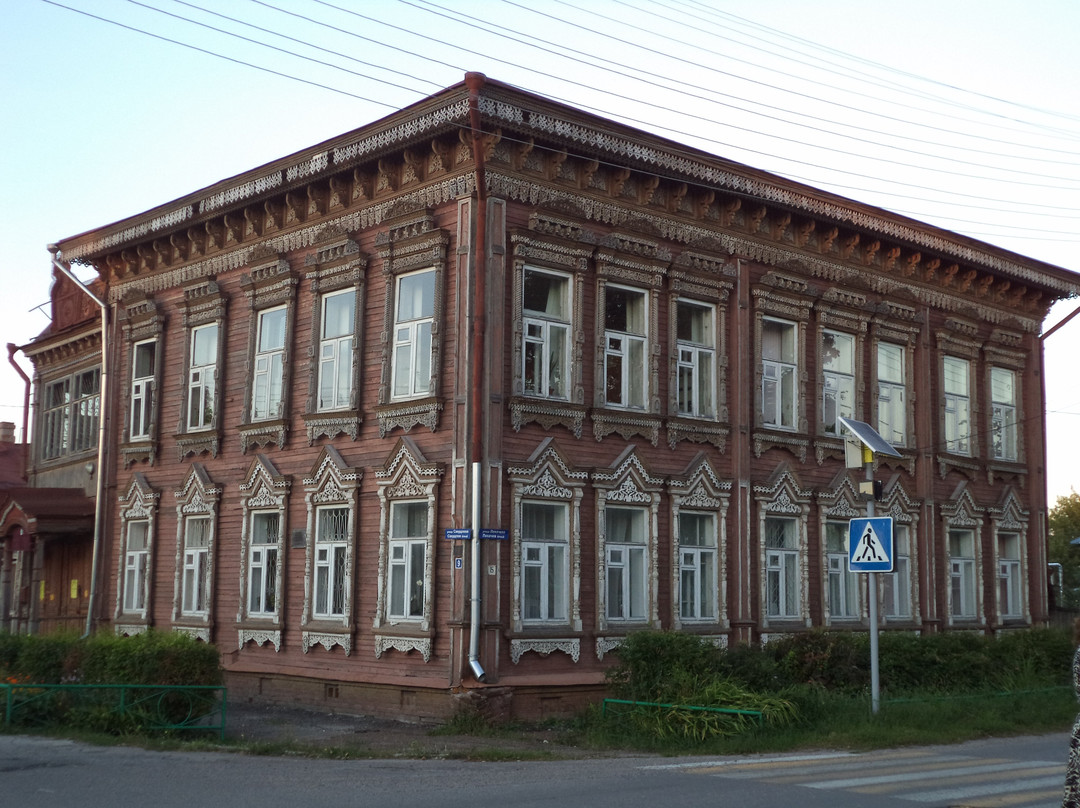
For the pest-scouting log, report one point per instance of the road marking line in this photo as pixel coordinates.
(979, 791)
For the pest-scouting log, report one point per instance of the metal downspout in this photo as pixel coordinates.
(475, 81)
(12, 348)
(99, 497)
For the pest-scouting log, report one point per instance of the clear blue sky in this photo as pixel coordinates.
(963, 113)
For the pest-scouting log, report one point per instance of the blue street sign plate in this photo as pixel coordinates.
(494, 534)
(458, 533)
(870, 544)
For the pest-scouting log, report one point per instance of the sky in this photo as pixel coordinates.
(960, 113)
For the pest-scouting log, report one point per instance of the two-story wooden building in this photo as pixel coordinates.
(622, 357)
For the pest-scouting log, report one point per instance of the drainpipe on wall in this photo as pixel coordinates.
(474, 81)
(12, 348)
(99, 497)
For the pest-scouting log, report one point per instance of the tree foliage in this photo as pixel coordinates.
(1064, 521)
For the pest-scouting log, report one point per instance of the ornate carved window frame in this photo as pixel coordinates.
(198, 498)
(700, 490)
(961, 513)
(627, 483)
(1011, 517)
(1004, 350)
(330, 483)
(699, 278)
(785, 298)
(547, 477)
(538, 251)
(335, 266)
(632, 262)
(840, 503)
(204, 304)
(141, 322)
(268, 283)
(831, 316)
(407, 475)
(958, 339)
(410, 243)
(784, 498)
(264, 490)
(139, 502)
(899, 326)
(897, 503)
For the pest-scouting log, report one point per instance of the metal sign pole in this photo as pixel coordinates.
(875, 674)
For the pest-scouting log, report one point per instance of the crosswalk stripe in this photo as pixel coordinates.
(980, 791)
(981, 768)
(983, 777)
(1048, 798)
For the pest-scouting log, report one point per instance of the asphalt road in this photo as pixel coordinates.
(1018, 772)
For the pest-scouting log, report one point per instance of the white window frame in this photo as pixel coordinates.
(268, 366)
(264, 557)
(542, 331)
(838, 380)
(545, 575)
(627, 566)
(780, 377)
(782, 573)
(195, 581)
(843, 584)
(896, 585)
(142, 389)
(406, 551)
(698, 568)
(136, 566)
(1010, 582)
(330, 576)
(1003, 414)
(892, 393)
(412, 356)
(334, 389)
(202, 379)
(963, 581)
(956, 375)
(626, 353)
(696, 361)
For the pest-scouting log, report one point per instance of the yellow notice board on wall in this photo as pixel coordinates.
(41, 593)
(74, 588)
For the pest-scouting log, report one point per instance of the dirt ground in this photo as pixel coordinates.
(366, 735)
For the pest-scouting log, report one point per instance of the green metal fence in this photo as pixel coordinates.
(150, 708)
(757, 714)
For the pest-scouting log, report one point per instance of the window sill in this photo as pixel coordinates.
(796, 444)
(141, 450)
(571, 646)
(331, 423)
(407, 414)
(260, 636)
(327, 639)
(404, 643)
(196, 443)
(262, 433)
(547, 412)
(626, 423)
(697, 430)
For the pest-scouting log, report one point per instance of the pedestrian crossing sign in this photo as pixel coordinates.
(870, 545)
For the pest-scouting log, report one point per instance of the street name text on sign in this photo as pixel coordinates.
(870, 544)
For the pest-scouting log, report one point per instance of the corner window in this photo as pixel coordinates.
(331, 546)
(414, 313)
(962, 573)
(202, 372)
(625, 347)
(838, 378)
(892, 394)
(957, 405)
(406, 570)
(263, 563)
(335, 350)
(143, 363)
(843, 583)
(779, 373)
(697, 566)
(544, 569)
(546, 334)
(136, 564)
(1003, 414)
(70, 414)
(627, 583)
(196, 575)
(695, 334)
(266, 383)
(781, 568)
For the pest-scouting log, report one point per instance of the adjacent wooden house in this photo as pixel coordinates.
(622, 358)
